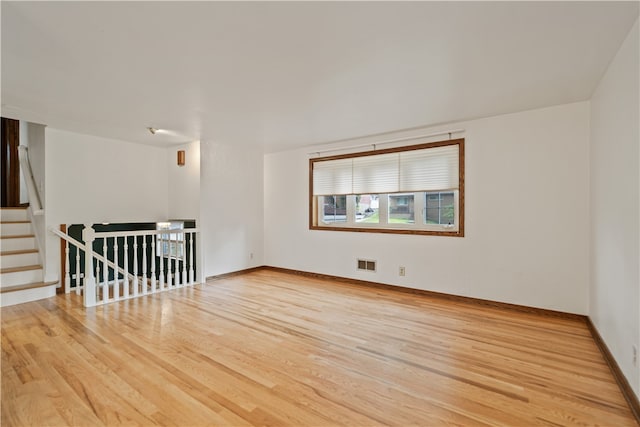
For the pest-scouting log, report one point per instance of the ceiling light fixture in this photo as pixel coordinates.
(152, 130)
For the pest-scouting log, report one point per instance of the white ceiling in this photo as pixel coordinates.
(277, 75)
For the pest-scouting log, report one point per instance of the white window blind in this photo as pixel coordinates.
(333, 177)
(433, 169)
(375, 174)
(428, 169)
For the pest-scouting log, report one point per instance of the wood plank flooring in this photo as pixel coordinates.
(268, 348)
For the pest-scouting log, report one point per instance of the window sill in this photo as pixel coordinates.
(456, 233)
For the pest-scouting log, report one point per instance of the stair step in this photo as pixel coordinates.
(20, 275)
(19, 294)
(13, 214)
(10, 259)
(16, 243)
(15, 228)
(15, 288)
(21, 268)
(19, 252)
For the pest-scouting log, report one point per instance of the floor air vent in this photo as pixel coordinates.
(366, 265)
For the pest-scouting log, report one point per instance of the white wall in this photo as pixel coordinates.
(615, 207)
(184, 182)
(184, 193)
(34, 135)
(93, 180)
(37, 155)
(527, 220)
(231, 207)
(24, 140)
(221, 186)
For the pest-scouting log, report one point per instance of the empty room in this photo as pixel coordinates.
(320, 213)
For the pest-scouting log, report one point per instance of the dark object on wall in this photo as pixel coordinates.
(10, 163)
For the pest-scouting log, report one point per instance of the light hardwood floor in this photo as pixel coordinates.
(269, 348)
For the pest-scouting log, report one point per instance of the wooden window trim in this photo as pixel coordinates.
(313, 215)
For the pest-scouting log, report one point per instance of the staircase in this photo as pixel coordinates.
(21, 275)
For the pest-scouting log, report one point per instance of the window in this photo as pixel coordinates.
(440, 208)
(401, 209)
(367, 206)
(335, 209)
(417, 189)
(170, 244)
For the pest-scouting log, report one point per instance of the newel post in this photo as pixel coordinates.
(88, 235)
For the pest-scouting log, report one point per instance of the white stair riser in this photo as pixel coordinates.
(13, 215)
(27, 295)
(17, 244)
(21, 277)
(19, 260)
(20, 228)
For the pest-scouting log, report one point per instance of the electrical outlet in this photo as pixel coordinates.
(635, 355)
(401, 271)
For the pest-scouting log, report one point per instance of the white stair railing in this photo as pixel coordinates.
(127, 268)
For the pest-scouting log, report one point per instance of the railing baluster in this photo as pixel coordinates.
(161, 256)
(97, 280)
(144, 265)
(153, 263)
(78, 280)
(125, 292)
(135, 266)
(174, 261)
(67, 266)
(184, 259)
(89, 291)
(192, 235)
(116, 281)
(169, 264)
(176, 272)
(105, 272)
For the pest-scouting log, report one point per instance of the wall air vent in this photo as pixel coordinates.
(366, 265)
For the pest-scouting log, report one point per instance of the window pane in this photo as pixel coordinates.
(334, 209)
(401, 209)
(367, 208)
(170, 244)
(440, 208)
